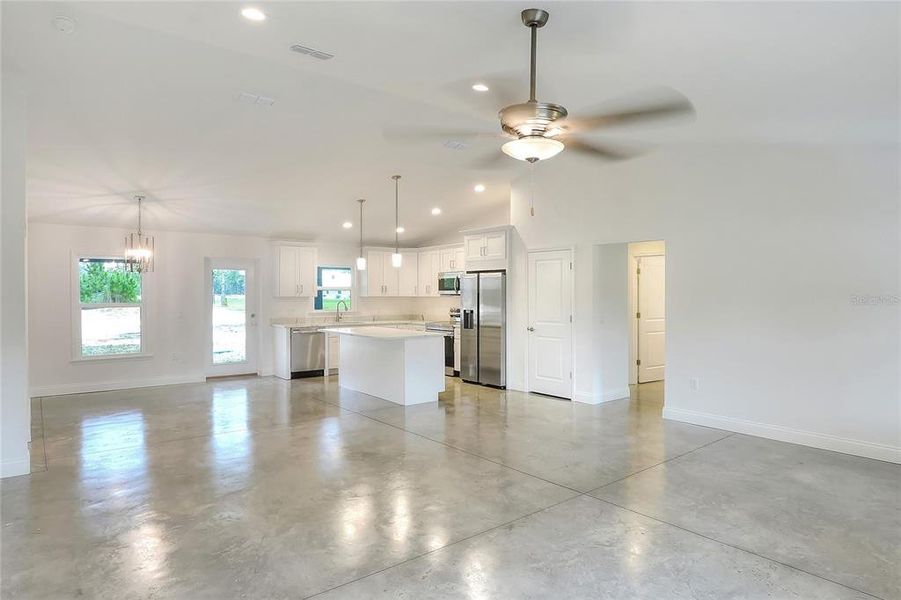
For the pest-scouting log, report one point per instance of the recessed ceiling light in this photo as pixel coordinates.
(479, 188)
(347, 225)
(253, 14)
(480, 87)
(400, 229)
(436, 211)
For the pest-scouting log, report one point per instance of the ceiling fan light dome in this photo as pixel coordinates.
(533, 147)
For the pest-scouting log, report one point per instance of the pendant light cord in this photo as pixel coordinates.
(396, 225)
(361, 227)
(140, 199)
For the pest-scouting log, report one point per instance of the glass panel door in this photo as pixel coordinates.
(232, 321)
(229, 316)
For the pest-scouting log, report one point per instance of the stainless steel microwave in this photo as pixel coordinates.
(449, 284)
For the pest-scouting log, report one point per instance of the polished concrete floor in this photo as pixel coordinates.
(262, 488)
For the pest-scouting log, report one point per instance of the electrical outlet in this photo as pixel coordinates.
(694, 384)
(176, 357)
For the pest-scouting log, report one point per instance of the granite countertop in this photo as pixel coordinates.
(385, 333)
(317, 325)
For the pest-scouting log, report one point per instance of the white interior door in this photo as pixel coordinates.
(651, 318)
(232, 332)
(550, 323)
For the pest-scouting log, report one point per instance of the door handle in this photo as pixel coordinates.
(530, 328)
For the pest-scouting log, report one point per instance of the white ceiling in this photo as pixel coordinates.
(143, 98)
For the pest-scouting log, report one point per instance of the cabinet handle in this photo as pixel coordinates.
(296, 290)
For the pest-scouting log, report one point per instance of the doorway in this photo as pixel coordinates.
(550, 323)
(232, 333)
(647, 292)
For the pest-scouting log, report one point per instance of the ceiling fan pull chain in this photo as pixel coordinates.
(532, 188)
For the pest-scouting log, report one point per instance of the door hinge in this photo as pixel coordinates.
(570, 374)
(638, 315)
(638, 271)
(638, 362)
(570, 318)
(570, 265)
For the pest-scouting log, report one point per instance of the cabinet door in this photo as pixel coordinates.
(424, 280)
(495, 245)
(446, 258)
(374, 273)
(390, 275)
(306, 271)
(459, 259)
(287, 272)
(408, 274)
(436, 270)
(472, 246)
(334, 352)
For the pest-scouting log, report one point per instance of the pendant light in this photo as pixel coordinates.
(139, 247)
(396, 258)
(361, 260)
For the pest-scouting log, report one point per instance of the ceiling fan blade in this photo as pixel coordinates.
(494, 161)
(502, 90)
(654, 104)
(462, 136)
(608, 152)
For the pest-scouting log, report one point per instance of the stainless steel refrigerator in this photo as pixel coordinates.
(483, 328)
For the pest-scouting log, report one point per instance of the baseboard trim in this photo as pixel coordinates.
(823, 441)
(611, 395)
(14, 468)
(105, 386)
(608, 396)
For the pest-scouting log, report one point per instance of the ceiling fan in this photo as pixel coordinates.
(541, 130)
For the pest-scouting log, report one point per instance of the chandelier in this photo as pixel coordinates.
(139, 247)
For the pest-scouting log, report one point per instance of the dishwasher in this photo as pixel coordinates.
(307, 353)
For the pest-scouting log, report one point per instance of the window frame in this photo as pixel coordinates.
(320, 288)
(77, 306)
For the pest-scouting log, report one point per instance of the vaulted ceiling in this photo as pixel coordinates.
(145, 97)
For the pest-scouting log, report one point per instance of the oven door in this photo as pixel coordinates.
(449, 355)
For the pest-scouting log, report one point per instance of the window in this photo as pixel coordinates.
(334, 285)
(110, 308)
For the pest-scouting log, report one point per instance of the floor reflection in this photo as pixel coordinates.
(113, 444)
(231, 441)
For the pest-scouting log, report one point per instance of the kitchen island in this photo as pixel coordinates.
(399, 365)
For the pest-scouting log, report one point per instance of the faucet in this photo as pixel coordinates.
(338, 310)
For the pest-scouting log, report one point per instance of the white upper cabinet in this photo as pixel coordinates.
(296, 271)
(408, 284)
(486, 249)
(429, 267)
(382, 279)
(452, 258)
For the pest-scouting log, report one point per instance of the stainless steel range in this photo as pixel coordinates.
(451, 331)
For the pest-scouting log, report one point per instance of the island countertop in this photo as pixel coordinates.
(386, 333)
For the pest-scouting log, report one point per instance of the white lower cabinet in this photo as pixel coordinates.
(333, 352)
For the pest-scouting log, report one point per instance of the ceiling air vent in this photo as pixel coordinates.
(311, 52)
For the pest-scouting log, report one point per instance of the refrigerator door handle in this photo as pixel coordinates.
(467, 319)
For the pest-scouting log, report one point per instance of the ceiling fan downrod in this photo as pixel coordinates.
(534, 18)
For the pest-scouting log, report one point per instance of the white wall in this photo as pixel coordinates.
(611, 322)
(15, 408)
(767, 246)
(176, 304)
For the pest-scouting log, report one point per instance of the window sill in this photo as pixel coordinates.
(113, 357)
